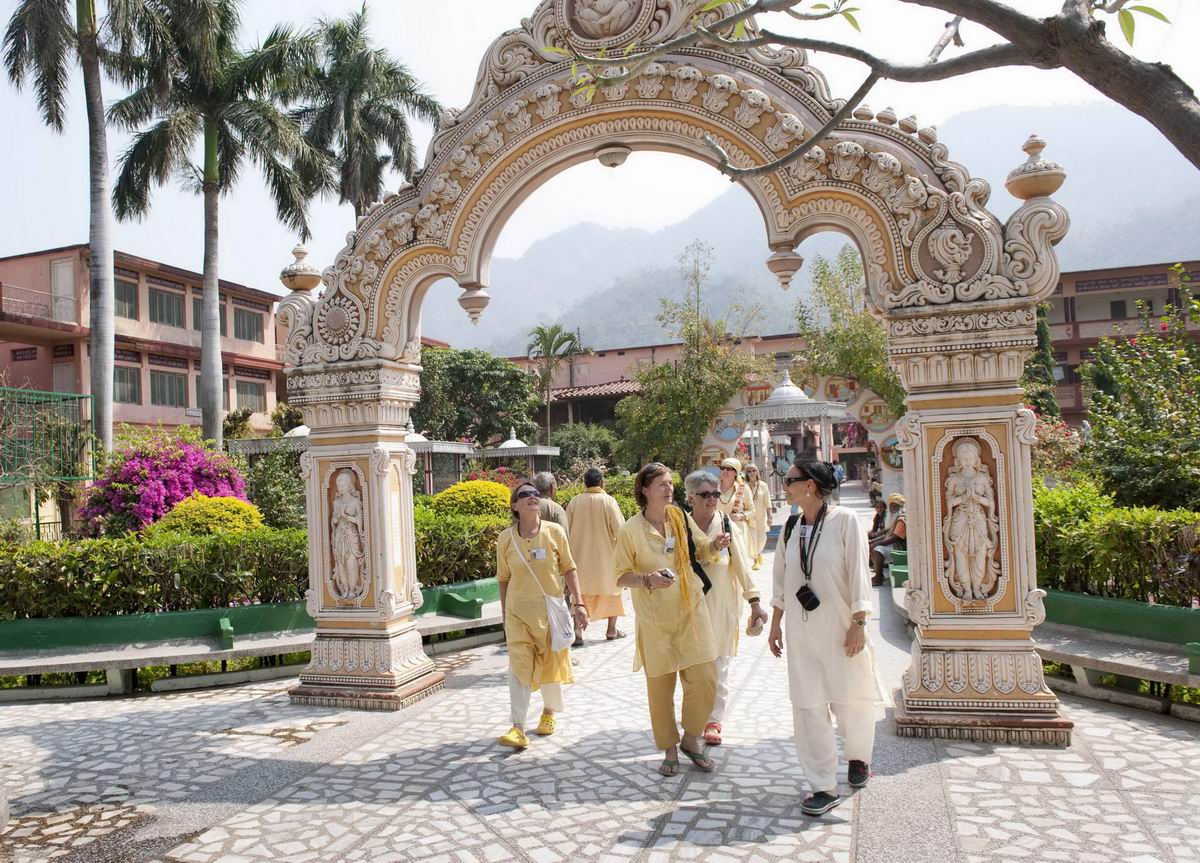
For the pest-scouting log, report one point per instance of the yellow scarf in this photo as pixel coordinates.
(683, 564)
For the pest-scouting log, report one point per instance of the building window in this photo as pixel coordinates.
(252, 395)
(1118, 310)
(127, 385)
(247, 325)
(196, 304)
(168, 389)
(126, 295)
(166, 307)
(224, 393)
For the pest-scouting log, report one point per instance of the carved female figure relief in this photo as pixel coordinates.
(346, 532)
(970, 528)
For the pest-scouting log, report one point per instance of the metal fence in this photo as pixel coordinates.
(44, 437)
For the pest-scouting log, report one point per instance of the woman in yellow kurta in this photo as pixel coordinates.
(731, 585)
(735, 502)
(533, 560)
(594, 519)
(674, 635)
(760, 496)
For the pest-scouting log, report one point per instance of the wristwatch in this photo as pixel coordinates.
(861, 621)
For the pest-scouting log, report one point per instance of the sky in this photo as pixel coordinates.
(45, 194)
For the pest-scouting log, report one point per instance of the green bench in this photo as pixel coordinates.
(898, 567)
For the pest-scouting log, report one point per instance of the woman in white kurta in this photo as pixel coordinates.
(830, 662)
(730, 586)
(533, 561)
(760, 496)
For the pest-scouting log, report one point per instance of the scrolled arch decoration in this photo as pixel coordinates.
(955, 286)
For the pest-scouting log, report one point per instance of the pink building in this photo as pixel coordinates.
(44, 314)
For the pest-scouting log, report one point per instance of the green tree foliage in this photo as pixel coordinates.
(549, 347)
(841, 336)
(275, 486)
(668, 420)
(236, 424)
(473, 395)
(1145, 412)
(285, 418)
(1038, 378)
(360, 100)
(583, 441)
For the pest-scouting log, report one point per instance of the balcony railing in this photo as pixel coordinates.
(15, 300)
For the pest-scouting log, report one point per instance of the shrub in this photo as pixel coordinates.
(506, 476)
(200, 515)
(1056, 453)
(582, 442)
(236, 424)
(275, 486)
(454, 547)
(142, 482)
(473, 497)
(134, 574)
(285, 418)
(1086, 544)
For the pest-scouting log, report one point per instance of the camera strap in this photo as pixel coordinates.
(808, 544)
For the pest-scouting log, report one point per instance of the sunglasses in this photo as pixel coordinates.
(708, 495)
(731, 470)
(792, 480)
(522, 495)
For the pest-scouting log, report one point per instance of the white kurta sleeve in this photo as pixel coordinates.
(857, 570)
(777, 579)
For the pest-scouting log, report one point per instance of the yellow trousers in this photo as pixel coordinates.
(699, 694)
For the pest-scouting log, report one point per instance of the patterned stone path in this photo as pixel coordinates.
(238, 775)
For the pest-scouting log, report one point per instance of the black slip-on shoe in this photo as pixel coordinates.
(859, 774)
(819, 803)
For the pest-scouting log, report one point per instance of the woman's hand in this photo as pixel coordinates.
(656, 580)
(856, 639)
(722, 541)
(581, 618)
(757, 613)
(775, 639)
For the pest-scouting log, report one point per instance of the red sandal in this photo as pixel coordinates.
(712, 734)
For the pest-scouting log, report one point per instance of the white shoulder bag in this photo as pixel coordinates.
(558, 615)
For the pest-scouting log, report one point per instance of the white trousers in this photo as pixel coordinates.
(718, 712)
(817, 746)
(518, 698)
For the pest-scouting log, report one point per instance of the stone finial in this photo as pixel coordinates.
(785, 263)
(863, 112)
(887, 116)
(928, 135)
(909, 124)
(474, 301)
(299, 275)
(1036, 177)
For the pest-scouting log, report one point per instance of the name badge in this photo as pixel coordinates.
(805, 531)
(539, 554)
(670, 544)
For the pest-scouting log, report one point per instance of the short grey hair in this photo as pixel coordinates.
(544, 482)
(697, 479)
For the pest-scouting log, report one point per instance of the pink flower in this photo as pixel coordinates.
(1162, 328)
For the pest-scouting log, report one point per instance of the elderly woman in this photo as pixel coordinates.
(730, 585)
(894, 536)
(674, 636)
(760, 498)
(736, 503)
(822, 588)
(533, 561)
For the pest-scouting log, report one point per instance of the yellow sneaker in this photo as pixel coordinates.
(547, 725)
(758, 562)
(514, 739)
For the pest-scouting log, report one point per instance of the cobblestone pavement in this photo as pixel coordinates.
(237, 774)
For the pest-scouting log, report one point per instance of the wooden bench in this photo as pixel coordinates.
(1092, 652)
(120, 645)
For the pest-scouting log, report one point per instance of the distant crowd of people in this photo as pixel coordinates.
(689, 574)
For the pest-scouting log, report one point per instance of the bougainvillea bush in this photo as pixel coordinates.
(144, 480)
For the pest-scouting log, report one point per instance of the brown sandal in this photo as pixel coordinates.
(615, 635)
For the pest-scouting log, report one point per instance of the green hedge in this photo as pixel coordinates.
(1087, 544)
(454, 548)
(169, 573)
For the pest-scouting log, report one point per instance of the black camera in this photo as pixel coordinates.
(808, 599)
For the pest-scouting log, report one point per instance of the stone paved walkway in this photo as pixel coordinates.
(238, 774)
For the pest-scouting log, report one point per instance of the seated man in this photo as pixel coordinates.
(895, 535)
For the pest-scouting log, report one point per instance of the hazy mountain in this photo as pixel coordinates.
(1132, 199)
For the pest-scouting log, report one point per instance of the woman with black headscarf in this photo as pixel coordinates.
(822, 586)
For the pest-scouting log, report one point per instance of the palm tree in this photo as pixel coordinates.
(40, 44)
(227, 99)
(360, 99)
(549, 347)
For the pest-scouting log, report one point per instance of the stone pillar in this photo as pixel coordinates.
(966, 441)
(358, 476)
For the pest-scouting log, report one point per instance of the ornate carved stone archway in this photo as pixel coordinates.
(956, 287)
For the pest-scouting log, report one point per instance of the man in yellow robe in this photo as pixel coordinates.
(594, 519)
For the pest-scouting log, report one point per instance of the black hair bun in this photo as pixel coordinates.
(821, 473)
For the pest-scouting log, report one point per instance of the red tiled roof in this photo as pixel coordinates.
(612, 388)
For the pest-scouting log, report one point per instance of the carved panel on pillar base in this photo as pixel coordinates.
(368, 671)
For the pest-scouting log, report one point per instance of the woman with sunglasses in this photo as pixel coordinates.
(822, 587)
(729, 575)
(533, 561)
(674, 636)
